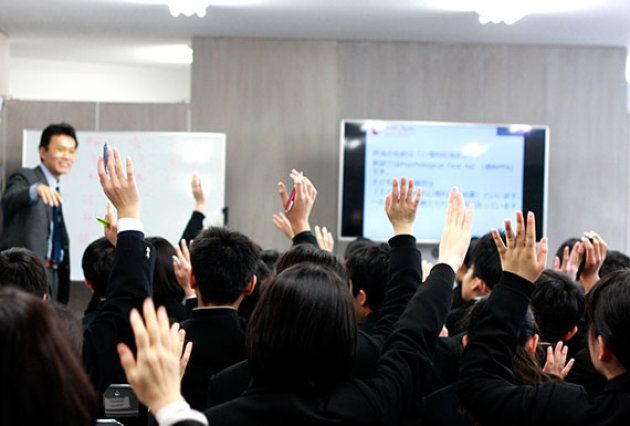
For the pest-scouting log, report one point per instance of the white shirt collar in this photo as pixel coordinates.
(52, 181)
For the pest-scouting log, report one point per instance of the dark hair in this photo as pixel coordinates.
(165, 285)
(72, 324)
(57, 129)
(43, 379)
(302, 334)
(356, 244)
(269, 257)
(248, 304)
(21, 268)
(468, 258)
(526, 368)
(97, 264)
(558, 305)
(614, 261)
(368, 268)
(223, 263)
(486, 261)
(608, 313)
(309, 253)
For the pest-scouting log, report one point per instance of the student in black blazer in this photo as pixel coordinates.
(301, 352)
(223, 264)
(487, 387)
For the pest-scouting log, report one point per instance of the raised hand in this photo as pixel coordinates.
(197, 191)
(183, 268)
(299, 210)
(325, 239)
(557, 361)
(282, 223)
(111, 231)
(155, 372)
(595, 249)
(457, 229)
(570, 262)
(519, 255)
(401, 206)
(49, 195)
(120, 186)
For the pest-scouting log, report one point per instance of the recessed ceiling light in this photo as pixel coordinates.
(166, 54)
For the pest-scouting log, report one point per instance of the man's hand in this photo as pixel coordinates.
(519, 256)
(595, 249)
(570, 262)
(401, 206)
(48, 195)
(197, 191)
(155, 373)
(325, 239)
(182, 268)
(111, 231)
(305, 194)
(120, 187)
(282, 223)
(457, 229)
(557, 361)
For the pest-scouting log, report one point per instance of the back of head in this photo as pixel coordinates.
(43, 379)
(97, 263)
(309, 253)
(486, 260)
(270, 257)
(223, 263)
(558, 304)
(356, 244)
(368, 269)
(165, 286)
(615, 261)
(608, 312)
(248, 304)
(302, 334)
(23, 269)
(57, 129)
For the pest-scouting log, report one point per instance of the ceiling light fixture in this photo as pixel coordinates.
(188, 7)
(497, 11)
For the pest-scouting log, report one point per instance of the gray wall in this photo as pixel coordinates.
(280, 103)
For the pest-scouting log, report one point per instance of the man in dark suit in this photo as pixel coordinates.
(31, 205)
(223, 272)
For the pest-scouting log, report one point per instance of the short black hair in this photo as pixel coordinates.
(165, 285)
(97, 264)
(527, 329)
(468, 258)
(263, 273)
(486, 261)
(22, 268)
(368, 269)
(57, 129)
(223, 263)
(558, 304)
(270, 257)
(310, 253)
(302, 334)
(615, 261)
(356, 244)
(608, 313)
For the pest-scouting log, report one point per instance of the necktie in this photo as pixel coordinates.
(57, 237)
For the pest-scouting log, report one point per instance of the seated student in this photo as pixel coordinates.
(481, 276)
(303, 335)
(487, 387)
(367, 270)
(558, 304)
(129, 282)
(97, 263)
(223, 263)
(23, 269)
(43, 382)
(166, 289)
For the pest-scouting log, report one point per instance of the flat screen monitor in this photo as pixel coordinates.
(500, 168)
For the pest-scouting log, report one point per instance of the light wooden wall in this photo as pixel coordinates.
(280, 103)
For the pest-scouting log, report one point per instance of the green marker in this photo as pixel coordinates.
(103, 222)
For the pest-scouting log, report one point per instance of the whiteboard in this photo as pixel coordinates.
(163, 164)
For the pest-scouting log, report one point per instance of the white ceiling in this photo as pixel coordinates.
(109, 30)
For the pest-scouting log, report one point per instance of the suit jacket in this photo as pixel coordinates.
(487, 387)
(27, 224)
(381, 399)
(128, 285)
(218, 336)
